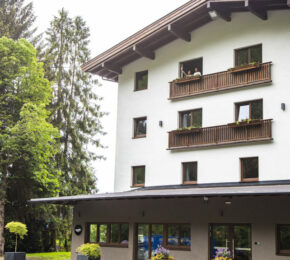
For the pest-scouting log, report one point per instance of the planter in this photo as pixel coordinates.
(245, 124)
(83, 257)
(185, 80)
(15, 256)
(187, 131)
(245, 68)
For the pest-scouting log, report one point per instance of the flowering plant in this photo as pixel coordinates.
(162, 253)
(223, 254)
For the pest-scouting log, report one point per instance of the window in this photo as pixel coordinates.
(141, 80)
(116, 234)
(250, 169)
(138, 176)
(249, 110)
(190, 67)
(248, 55)
(178, 235)
(150, 236)
(283, 240)
(140, 125)
(192, 118)
(189, 171)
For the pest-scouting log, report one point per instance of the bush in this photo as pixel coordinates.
(17, 228)
(92, 251)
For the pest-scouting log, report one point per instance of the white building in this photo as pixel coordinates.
(201, 161)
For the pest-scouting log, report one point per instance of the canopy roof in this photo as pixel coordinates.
(181, 191)
(177, 24)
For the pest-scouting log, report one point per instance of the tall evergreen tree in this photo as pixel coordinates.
(76, 110)
(16, 20)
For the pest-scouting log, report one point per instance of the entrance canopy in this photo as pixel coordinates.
(180, 191)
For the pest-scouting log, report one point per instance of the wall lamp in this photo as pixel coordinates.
(213, 15)
(283, 106)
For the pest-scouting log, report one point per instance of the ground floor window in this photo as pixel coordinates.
(115, 234)
(283, 240)
(171, 236)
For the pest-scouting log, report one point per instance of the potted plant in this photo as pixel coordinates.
(20, 230)
(245, 67)
(246, 122)
(188, 130)
(162, 253)
(223, 254)
(186, 79)
(89, 251)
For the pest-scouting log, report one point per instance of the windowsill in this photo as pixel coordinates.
(138, 136)
(189, 182)
(113, 245)
(136, 90)
(180, 248)
(138, 186)
(284, 253)
(250, 180)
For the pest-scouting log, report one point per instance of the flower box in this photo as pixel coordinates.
(185, 80)
(84, 257)
(245, 124)
(245, 68)
(187, 131)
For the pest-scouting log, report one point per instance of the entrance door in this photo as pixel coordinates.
(149, 237)
(236, 238)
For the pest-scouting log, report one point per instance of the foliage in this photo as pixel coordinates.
(49, 256)
(17, 228)
(222, 254)
(93, 251)
(16, 20)
(27, 139)
(162, 253)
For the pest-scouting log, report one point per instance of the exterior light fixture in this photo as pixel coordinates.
(161, 123)
(205, 198)
(213, 15)
(283, 106)
(228, 202)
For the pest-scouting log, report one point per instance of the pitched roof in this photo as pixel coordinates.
(177, 24)
(181, 191)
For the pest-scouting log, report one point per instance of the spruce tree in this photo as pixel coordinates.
(16, 20)
(76, 109)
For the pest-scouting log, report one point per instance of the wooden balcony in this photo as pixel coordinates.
(221, 81)
(230, 134)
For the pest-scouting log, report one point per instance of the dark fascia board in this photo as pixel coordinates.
(142, 34)
(181, 191)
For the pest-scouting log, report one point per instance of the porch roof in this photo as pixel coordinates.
(180, 191)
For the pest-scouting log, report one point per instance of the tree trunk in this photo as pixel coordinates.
(3, 190)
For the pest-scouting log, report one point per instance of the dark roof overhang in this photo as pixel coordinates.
(262, 188)
(176, 25)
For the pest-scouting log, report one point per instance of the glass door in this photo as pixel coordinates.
(149, 237)
(231, 238)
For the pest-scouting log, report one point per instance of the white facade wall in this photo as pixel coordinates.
(215, 42)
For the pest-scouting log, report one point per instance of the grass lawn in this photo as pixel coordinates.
(49, 256)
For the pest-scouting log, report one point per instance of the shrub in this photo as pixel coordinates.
(17, 228)
(92, 251)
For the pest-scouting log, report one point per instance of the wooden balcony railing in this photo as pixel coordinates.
(221, 135)
(221, 81)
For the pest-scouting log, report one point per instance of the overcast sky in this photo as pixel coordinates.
(110, 22)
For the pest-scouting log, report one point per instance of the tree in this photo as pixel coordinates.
(16, 19)
(75, 107)
(26, 137)
(17, 228)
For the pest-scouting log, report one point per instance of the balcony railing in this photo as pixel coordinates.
(221, 81)
(221, 135)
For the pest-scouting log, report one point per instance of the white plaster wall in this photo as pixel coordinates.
(215, 42)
